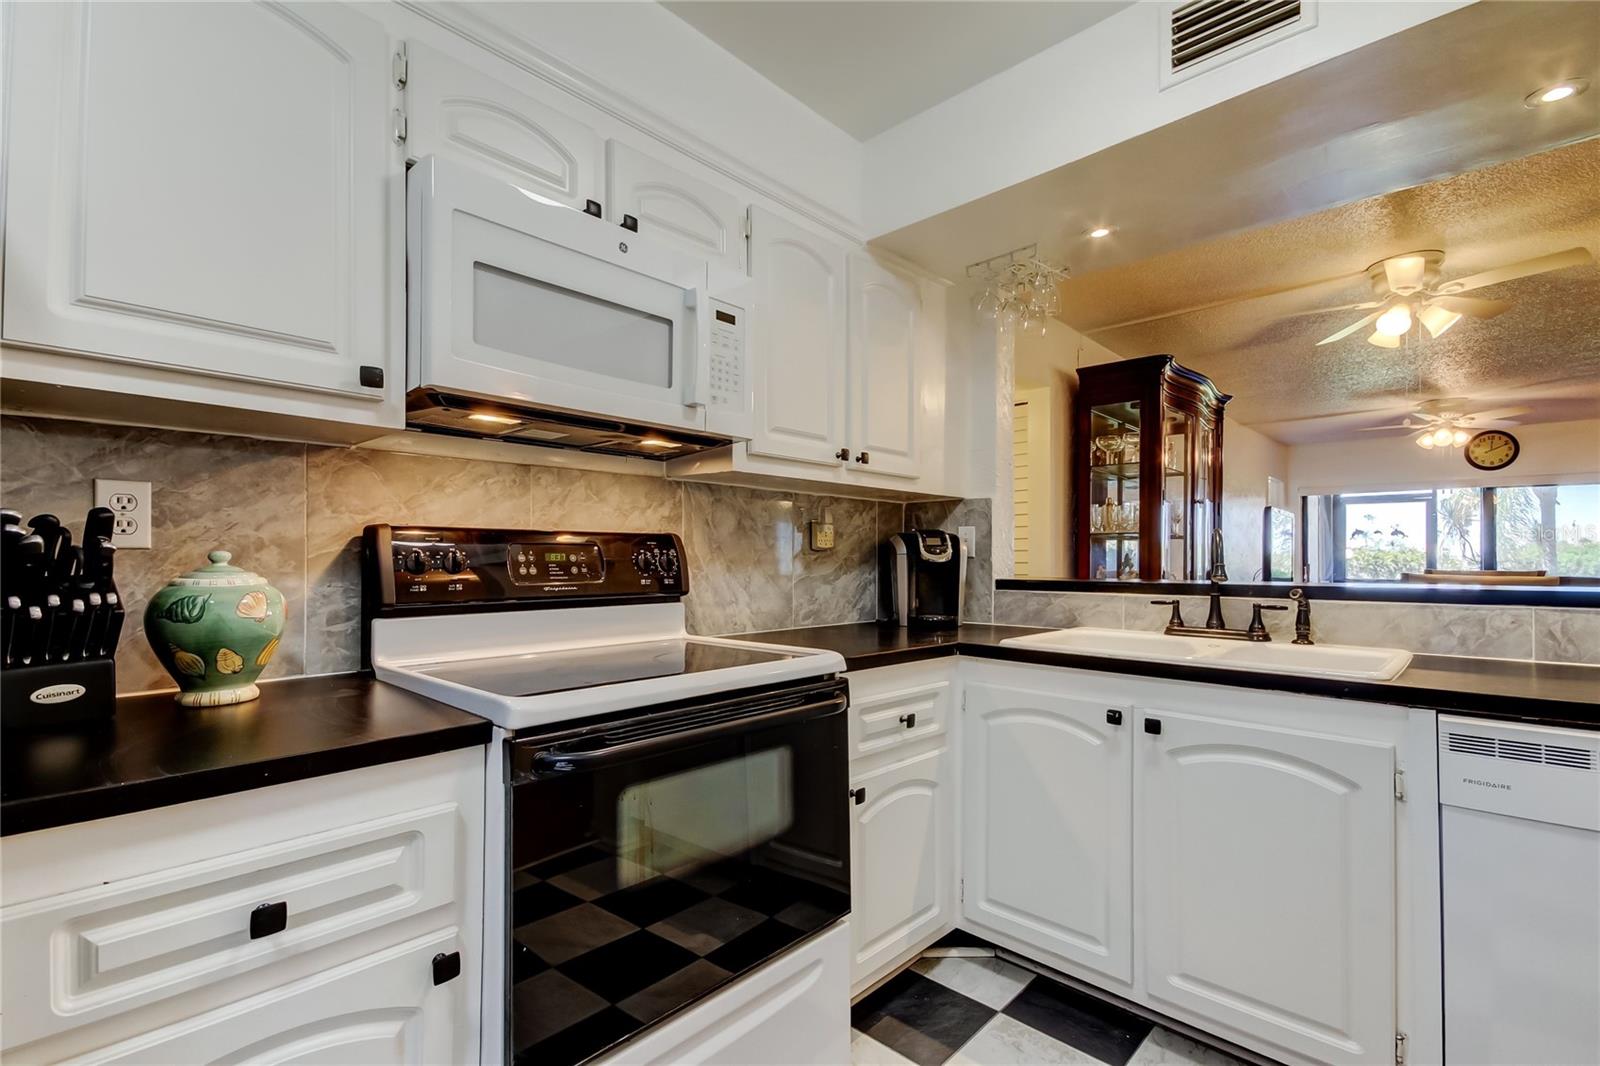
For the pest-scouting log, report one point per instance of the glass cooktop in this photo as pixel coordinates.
(541, 673)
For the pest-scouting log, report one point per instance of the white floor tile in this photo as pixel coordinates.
(1163, 1047)
(865, 1051)
(992, 982)
(1004, 1041)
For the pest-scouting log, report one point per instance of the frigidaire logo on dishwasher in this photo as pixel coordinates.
(57, 694)
(1485, 784)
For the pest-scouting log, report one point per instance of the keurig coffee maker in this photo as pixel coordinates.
(924, 571)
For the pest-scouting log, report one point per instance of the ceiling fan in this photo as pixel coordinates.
(1447, 422)
(1406, 290)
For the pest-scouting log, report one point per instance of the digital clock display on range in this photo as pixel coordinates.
(569, 564)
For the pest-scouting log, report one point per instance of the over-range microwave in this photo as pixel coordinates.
(538, 323)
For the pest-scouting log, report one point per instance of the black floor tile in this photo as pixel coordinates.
(756, 945)
(631, 964)
(568, 860)
(920, 1018)
(1088, 1023)
(647, 904)
(580, 1040)
(525, 962)
(540, 900)
(960, 938)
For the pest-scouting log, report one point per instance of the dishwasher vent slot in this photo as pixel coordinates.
(1518, 750)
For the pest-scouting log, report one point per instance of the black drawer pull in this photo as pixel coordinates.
(592, 207)
(910, 720)
(1152, 725)
(1113, 717)
(863, 458)
(859, 795)
(372, 377)
(269, 918)
(630, 223)
(446, 967)
(842, 454)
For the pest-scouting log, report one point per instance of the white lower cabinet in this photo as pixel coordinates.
(1048, 841)
(902, 860)
(1267, 876)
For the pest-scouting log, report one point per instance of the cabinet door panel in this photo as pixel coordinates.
(456, 111)
(799, 350)
(672, 206)
(1048, 842)
(901, 862)
(178, 198)
(883, 370)
(1268, 882)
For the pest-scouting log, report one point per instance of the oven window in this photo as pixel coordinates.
(561, 327)
(640, 885)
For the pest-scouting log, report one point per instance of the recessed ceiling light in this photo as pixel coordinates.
(1561, 90)
(1100, 231)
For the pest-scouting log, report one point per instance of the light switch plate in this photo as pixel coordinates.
(821, 536)
(130, 502)
(969, 539)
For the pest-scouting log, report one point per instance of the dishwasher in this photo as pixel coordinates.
(1520, 852)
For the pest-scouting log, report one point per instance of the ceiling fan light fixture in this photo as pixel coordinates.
(1458, 437)
(1395, 322)
(1436, 319)
(1383, 340)
(1425, 441)
(1443, 437)
(1555, 93)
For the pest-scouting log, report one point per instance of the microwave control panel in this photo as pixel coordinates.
(728, 364)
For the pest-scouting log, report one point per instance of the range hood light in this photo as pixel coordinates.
(657, 442)
(498, 420)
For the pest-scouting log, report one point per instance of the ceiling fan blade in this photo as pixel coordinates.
(1492, 423)
(1363, 306)
(1472, 306)
(1498, 413)
(1383, 340)
(1343, 333)
(1379, 429)
(1405, 272)
(1555, 261)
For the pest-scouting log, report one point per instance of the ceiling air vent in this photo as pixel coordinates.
(1203, 34)
(1519, 750)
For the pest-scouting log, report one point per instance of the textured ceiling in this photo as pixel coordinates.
(867, 65)
(1234, 308)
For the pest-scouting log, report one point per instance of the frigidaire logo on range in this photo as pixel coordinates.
(57, 694)
(1485, 784)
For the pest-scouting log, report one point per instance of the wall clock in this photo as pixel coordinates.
(1493, 449)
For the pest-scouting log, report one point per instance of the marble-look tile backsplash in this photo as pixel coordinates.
(294, 513)
(1550, 634)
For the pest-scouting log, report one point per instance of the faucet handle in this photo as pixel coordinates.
(1258, 628)
(1177, 611)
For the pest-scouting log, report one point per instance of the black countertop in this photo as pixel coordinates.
(1545, 693)
(154, 753)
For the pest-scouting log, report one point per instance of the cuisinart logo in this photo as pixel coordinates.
(57, 694)
(1485, 784)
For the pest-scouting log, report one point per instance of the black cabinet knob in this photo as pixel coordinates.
(630, 223)
(1113, 717)
(269, 918)
(1152, 726)
(863, 458)
(843, 455)
(372, 377)
(446, 967)
(909, 720)
(859, 795)
(592, 207)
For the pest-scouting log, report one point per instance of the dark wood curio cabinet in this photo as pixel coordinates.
(1146, 470)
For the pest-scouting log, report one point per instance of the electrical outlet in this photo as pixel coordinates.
(130, 503)
(821, 536)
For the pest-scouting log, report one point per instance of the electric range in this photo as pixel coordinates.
(667, 817)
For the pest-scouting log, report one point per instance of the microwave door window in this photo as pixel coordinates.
(559, 327)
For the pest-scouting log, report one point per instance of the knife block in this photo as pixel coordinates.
(54, 695)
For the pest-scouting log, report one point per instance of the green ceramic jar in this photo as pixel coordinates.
(215, 629)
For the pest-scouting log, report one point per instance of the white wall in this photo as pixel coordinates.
(1552, 452)
(1248, 459)
(1093, 90)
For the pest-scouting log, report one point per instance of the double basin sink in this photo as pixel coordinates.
(1338, 661)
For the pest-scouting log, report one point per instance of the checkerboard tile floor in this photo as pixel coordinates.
(592, 961)
(984, 1011)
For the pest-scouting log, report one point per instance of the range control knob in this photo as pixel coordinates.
(646, 560)
(668, 563)
(455, 561)
(416, 562)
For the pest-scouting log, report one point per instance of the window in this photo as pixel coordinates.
(1378, 536)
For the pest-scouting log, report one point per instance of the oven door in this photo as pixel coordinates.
(512, 297)
(656, 858)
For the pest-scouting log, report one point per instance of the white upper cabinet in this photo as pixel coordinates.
(800, 341)
(454, 110)
(672, 206)
(883, 370)
(205, 188)
(1047, 788)
(1267, 859)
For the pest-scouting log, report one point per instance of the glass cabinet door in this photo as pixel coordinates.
(1114, 491)
(1178, 464)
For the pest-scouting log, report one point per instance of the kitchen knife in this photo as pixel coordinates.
(10, 560)
(103, 556)
(27, 582)
(98, 525)
(44, 635)
(68, 628)
(113, 631)
(8, 517)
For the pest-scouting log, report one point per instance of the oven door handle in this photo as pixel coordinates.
(557, 760)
